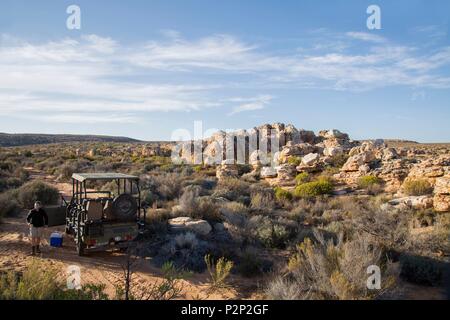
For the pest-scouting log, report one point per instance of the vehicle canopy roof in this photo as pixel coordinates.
(102, 176)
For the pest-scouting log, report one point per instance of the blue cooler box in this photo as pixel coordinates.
(56, 239)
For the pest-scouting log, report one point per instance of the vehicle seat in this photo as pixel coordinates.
(108, 210)
(94, 210)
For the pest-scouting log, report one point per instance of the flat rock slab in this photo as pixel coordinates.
(201, 227)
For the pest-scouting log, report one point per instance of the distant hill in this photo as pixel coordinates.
(22, 139)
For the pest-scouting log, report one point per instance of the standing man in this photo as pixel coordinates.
(37, 219)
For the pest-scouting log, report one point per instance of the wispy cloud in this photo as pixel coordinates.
(75, 76)
(364, 36)
(251, 104)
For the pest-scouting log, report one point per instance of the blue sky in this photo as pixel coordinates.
(146, 68)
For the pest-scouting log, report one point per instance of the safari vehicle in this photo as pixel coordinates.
(100, 220)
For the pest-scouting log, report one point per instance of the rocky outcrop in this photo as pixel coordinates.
(295, 150)
(430, 169)
(393, 173)
(441, 193)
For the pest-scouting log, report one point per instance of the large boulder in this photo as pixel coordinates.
(201, 227)
(310, 159)
(415, 202)
(297, 150)
(268, 172)
(355, 162)
(333, 134)
(333, 151)
(389, 154)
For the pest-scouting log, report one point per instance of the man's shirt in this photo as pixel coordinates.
(38, 218)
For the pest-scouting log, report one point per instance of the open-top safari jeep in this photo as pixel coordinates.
(99, 220)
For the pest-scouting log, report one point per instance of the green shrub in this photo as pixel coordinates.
(8, 205)
(294, 160)
(302, 177)
(282, 195)
(417, 187)
(314, 188)
(37, 191)
(66, 171)
(271, 234)
(368, 181)
(219, 271)
(249, 264)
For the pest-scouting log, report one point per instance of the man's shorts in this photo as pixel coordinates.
(35, 232)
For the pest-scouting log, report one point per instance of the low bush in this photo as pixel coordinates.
(302, 177)
(198, 207)
(232, 189)
(66, 171)
(368, 181)
(8, 205)
(294, 160)
(417, 187)
(37, 191)
(218, 271)
(249, 264)
(325, 269)
(314, 188)
(186, 240)
(282, 195)
(271, 234)
(262, 199)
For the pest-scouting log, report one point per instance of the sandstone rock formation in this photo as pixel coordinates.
(441, 192)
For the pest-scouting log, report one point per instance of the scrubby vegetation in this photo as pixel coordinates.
(418, 187)
(41, 281)
(299, 241)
